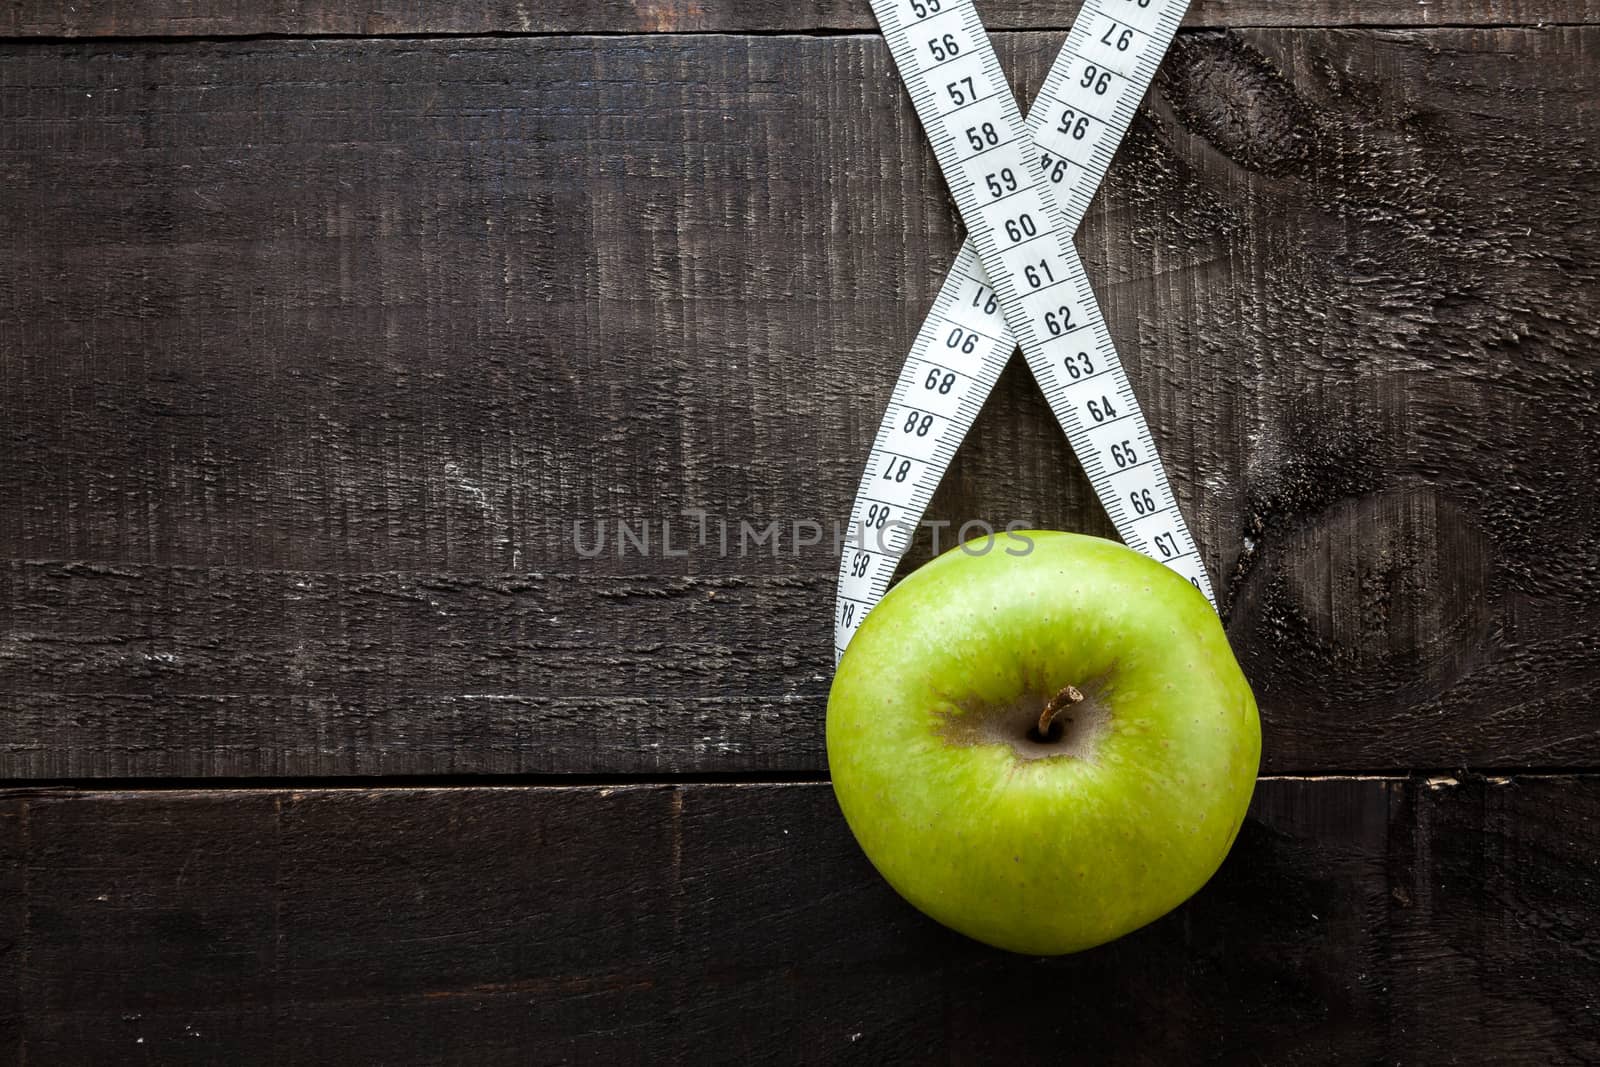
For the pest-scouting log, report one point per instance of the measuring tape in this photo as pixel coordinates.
(1022, 191)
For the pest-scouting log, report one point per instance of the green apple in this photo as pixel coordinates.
(1055, 841)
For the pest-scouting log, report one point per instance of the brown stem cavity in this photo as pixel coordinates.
(1065, 698)
(1074, 720)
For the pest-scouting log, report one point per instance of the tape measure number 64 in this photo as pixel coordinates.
(1022, 191)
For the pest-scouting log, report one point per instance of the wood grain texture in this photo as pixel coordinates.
(313, 352)
(222, 18)
(1357, 920)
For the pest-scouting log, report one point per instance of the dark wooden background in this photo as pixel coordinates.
(321, 324)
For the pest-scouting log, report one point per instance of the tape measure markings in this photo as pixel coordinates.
(966, 46)
(971, 49)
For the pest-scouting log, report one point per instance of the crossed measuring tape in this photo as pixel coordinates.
(1022, 190)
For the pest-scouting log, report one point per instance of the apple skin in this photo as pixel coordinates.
(1049, 847)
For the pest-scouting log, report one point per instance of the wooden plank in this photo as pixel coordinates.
(401, 674)
(313, 353)
(1357, 920)
(222, 18)
(13, 921)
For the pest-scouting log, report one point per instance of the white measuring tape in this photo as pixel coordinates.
(1022, 191)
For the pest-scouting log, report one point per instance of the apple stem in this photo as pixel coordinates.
(1068, 696)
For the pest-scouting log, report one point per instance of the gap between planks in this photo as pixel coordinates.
(1433, 778)
(821, 32)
